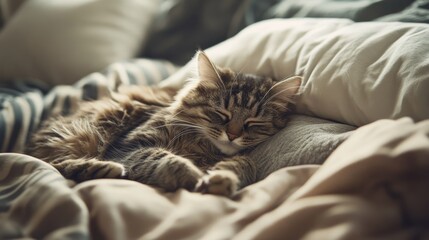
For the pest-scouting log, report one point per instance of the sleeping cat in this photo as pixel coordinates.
(197, 140)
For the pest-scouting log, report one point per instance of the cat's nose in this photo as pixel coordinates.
(231, 136)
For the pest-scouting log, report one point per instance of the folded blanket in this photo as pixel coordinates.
(372, 187)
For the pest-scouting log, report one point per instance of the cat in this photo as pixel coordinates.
(197, 139)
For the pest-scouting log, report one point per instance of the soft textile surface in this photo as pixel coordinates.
(182, 26)
(357, 10)
(354, 73)
(177, 20)
(23, 106)
(305, 140)
(37, 202)
(59, 42)
(374, 186)
(7, 9)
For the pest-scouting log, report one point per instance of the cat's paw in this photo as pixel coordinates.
(117, 170)
(106, 170)
(178, 173)
(218, 182)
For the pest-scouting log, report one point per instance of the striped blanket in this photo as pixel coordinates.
(23, 105)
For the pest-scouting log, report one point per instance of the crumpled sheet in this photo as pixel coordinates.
(374, 186)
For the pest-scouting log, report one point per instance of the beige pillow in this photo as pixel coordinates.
(61, 41)
(354, 73)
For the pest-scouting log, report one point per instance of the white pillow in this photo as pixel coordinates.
(354, 73)
(60, 41)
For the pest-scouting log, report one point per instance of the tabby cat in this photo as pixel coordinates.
(197, 140)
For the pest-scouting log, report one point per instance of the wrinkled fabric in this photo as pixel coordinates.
(374, 186)
(37, 202)
(371, 187)
(353, 73)
(182, 26)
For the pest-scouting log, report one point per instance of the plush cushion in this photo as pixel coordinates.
(59, 42)
(305, 140)
(354, 73)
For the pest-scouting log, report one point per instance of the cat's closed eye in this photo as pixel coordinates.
(257, 126)
(255, 122)
(218, 117)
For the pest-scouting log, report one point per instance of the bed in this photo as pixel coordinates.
(352, 163)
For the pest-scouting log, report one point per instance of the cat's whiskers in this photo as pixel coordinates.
(181, 120)
(177, 124)
(282, 91)
(186, 125)
(175, 115)
(181, 134)
(184, 132)
(290, 100)
(266, 94)
(186, 122)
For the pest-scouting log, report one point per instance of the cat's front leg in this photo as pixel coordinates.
(227, 176)
(161, 168)
(86, 169)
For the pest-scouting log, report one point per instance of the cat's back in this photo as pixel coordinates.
(89, 131)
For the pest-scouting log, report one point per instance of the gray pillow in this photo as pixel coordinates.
(305, 140)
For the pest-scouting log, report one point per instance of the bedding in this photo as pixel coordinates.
(61, 42)
(319, 178)
(354, 73)
(305, 140)
(177, 20)
(23, 105)
(372, 187)
(358, 11)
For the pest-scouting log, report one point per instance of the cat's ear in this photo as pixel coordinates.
(283, 92)
(207, 72)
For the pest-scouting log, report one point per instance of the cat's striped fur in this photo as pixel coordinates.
(196, 141)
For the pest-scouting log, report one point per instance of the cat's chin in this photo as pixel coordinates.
(227, 148)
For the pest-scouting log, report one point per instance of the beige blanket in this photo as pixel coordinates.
(374, 186)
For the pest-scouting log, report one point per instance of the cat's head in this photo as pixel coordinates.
(235, 111)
